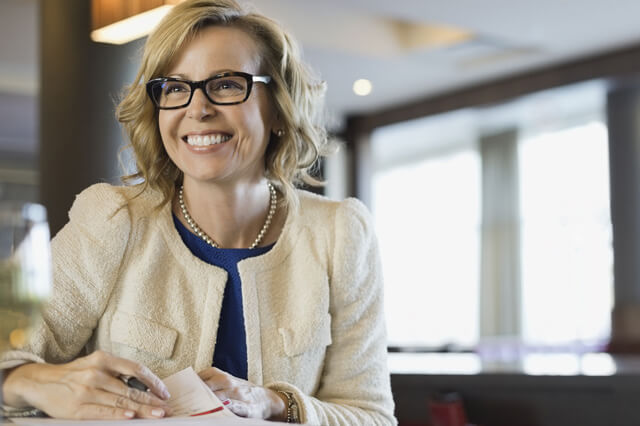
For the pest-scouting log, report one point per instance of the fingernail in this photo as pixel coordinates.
(157, 412)
(166, 394)
(129, 414)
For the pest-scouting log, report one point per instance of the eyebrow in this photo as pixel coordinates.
(184, 76)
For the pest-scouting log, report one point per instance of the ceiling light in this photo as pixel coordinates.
(362, 87)
(119, 22)
(412, 35)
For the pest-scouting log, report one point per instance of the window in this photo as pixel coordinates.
(427, 214)
(427, 200)
(427, 217)
(567, 255)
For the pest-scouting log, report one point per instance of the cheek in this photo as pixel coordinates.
(262, 119)
(249, 124)
(162, 124)
(166, 125)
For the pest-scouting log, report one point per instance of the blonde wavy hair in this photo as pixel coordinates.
(298, 95)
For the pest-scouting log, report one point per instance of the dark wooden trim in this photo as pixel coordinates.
(507, 399)
(618, 63)
(350, 137)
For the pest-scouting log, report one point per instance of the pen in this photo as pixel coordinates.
(133, 382)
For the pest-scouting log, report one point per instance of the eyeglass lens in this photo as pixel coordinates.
(229, 89)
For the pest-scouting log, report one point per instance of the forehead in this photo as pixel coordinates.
(217, 48)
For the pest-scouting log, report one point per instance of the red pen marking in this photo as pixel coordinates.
(207, 412)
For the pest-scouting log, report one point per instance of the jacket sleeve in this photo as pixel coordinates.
(86, 256)
(355, 387)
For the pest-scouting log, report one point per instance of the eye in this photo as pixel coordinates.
(171, 87)
(226, 86)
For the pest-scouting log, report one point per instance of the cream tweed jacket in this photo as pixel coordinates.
(125, 283)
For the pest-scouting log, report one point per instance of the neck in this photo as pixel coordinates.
(231, 215)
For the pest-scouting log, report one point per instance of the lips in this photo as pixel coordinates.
(206, 140)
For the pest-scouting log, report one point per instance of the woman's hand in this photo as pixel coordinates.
(87, 388)
(247, 399)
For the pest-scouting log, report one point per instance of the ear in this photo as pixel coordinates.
(277, 126)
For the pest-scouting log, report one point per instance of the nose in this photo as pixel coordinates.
(200, 108)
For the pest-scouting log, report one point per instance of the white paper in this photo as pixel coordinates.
(190, 397)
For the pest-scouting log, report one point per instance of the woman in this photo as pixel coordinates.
(272, 294)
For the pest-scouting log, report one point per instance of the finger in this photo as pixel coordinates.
(120, 401)
(118, 366)
(152, 381)
(116, 386)
(218, 380)
(94, 381)
(239, 408)
(227, 396)
(222, 396)
(210, 372)
(100, 412)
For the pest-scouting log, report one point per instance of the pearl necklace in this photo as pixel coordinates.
(200, 233)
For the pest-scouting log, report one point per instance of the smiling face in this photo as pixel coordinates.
(223, 143)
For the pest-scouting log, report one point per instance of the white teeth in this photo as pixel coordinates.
(207, 139)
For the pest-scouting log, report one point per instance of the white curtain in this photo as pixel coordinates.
(500, 252)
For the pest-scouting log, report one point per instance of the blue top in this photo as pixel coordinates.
(230, 354)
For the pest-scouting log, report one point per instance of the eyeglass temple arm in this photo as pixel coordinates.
(261, 78)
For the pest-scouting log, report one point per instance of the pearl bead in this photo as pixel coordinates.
(273, 202)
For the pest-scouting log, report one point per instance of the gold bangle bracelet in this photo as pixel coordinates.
(293, 413)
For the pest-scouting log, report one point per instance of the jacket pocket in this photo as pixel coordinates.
(305, 336)
(143, 334)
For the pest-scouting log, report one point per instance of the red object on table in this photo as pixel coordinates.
(447, 410)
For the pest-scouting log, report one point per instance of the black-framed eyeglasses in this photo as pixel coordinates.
(227, 88)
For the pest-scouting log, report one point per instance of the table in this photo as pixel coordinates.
(539, 389)
(169, 421)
